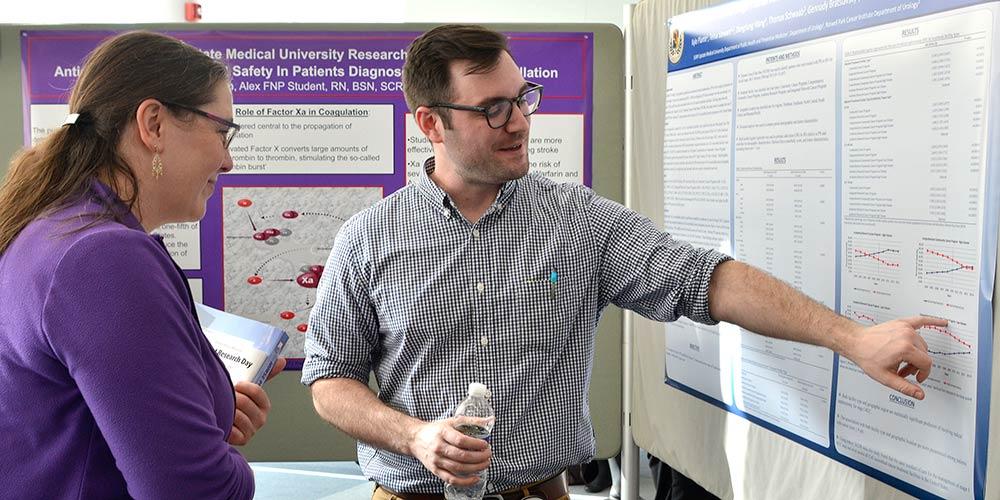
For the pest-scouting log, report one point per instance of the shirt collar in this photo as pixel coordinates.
(110, 199)
(442, 202)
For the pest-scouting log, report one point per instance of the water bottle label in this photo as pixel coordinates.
(473, 430)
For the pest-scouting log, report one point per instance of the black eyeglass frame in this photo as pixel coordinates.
(231, 131)
(514, 101)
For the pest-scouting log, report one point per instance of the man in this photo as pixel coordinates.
(482, 272)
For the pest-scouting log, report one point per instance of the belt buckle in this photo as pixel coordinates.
(494, 496)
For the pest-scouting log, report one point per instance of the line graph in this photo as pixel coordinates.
(956, 266)
(952, 348)
(873, 257)
(866, 314)
(957, 345)
(879, 256)
(865, 318)
(954, 353)
(948, 267)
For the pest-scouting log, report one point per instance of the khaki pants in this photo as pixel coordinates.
(381, 493)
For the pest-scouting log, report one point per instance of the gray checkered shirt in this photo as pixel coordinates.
(431, 302)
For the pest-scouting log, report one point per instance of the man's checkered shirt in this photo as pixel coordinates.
(431, 302)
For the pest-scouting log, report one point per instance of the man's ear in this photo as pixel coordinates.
(149, 117)
(430, 124)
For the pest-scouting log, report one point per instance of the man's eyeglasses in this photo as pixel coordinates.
(499, 113)
(231, 128)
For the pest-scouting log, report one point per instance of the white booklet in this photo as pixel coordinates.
(247, 347)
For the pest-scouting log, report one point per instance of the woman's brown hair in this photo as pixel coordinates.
(116, 77)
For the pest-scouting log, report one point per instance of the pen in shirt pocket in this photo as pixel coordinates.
(553, 280)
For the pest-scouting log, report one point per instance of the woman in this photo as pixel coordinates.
(110, 389)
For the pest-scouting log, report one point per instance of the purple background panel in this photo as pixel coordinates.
(274, 67)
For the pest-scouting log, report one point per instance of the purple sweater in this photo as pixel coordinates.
(108, 387)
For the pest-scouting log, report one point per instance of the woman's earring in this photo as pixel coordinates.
(157, 164)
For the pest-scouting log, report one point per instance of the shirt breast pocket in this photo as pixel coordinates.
(543, 314)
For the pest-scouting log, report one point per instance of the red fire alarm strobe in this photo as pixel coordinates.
(192, 12)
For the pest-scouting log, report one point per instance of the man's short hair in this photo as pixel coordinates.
(427, 70)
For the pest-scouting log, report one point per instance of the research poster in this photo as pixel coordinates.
(848, 148)
(325, 134)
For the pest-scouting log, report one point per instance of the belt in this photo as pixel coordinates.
(553, 488)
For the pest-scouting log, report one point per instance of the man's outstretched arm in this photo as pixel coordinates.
(888, 352)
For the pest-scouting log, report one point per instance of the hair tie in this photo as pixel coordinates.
(76, 119)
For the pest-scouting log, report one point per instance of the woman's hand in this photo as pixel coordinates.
(252, 407)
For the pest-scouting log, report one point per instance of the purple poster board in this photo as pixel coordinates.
(326, 133)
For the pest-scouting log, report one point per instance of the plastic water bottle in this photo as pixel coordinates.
(477, 404)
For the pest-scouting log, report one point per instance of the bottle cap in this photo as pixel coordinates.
(477, 389)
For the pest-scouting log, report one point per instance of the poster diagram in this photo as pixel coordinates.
(950, 347)
(277, 240)
(947, 267)
(873, 257)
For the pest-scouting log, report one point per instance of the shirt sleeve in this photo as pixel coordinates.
(343, 325)
(647, 270)
(117, 316)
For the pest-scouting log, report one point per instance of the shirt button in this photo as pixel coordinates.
(483, 341)
(475, 233)
(499, 206)
(481, 287)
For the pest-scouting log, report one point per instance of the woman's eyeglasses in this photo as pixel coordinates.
(231, 128)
